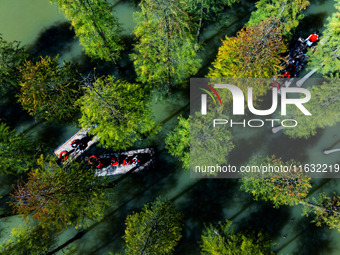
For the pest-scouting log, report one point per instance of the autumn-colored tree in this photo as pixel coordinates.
(60, 196)
(32, 239)
(222, 239)
(98, 30)
(154, 230)
(117, 112)
(327, 52)
(280, 187)
(253, 53)
(49, 91)
(326, 210)
(324, 106)
(18, 152)
(288, 13)
(165, 51)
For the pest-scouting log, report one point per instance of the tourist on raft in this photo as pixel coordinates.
(80, 144)
(127, 161)
(135, 161)
(114, 161)
(93, 160)
(312, 39)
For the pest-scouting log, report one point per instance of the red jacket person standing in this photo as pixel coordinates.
(312, 38)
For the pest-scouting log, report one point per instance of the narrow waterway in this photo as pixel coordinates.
(37, 24)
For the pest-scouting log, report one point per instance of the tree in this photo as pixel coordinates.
(98, 30)
(49, 91)
(279, 187)
(326, 210)
(53, 195)
(178, 141)
(12, 55)
(208, 145)
(194, 141)
(118, 112)
(18, 152)
(165, 52)
(327, 51)
(33, 240)
(253, 53)
(155, 230)
(222, 239)
(324, 106)
(288, 13)
(207, 11)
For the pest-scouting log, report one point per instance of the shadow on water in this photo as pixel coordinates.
(11, 112)
(244, 148)
(310, 23)
(265, 218)
(311, 239)
(52, 41)
(50, 133)
(206, 202)
(291, 148)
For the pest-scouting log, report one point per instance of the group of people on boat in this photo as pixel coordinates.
(99, 164)
(297, 56)
(77, 144)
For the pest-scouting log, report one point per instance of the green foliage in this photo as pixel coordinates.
(178, 142)
(18, 152)
(209, 11)
(279, 188)
(253, 53)
(165, 52)
(209, 145)
(324, 106)
(12, 55)
(53, 195)
(118, 112)
(98, 30)
(327, 51)
(33, 240)
(155, 230)
(49, 91)
(326, 210)
(288, 12)
(221, 239)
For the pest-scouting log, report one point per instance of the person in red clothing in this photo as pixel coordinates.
(312, 38)
(114, 161)
(127, 161)
(286, 74)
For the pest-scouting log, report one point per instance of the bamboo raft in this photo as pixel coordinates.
(66, 146)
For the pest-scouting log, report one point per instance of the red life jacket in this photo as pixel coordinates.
(100, 165)
(63, 155)
(114, 162)
(127, 161)
(286, 74)
(313, 38)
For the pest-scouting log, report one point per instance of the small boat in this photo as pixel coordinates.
(75, 146)
(120, 163)
(295, 61)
